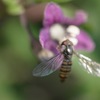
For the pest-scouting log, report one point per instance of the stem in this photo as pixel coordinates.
(35, 12)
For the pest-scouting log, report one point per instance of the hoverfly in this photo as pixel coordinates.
(63, 61)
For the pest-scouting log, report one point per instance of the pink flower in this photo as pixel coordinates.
(54, 15)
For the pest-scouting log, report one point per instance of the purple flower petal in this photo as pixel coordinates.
(44, 36)
(46, 41)
(85, 42)
(80, 18)
(52, 46)
(52, 14)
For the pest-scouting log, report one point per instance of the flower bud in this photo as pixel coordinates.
(73, 31)
(57, 32)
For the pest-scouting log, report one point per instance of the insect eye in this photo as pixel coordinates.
(63, 48)
(69, 49)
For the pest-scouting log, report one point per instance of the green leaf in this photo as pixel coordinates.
(15, 9)
(35, 29)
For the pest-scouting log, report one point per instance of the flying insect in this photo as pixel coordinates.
(63, 62)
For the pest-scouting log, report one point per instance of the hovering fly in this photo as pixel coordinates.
(63, 61)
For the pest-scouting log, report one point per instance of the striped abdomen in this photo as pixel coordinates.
(65, 69)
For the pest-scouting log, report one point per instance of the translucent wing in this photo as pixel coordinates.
(92, 67)
(48, 66)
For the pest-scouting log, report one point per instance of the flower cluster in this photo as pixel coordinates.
(57, 27)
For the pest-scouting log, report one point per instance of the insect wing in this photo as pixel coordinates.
(91, 67)
(48, 66)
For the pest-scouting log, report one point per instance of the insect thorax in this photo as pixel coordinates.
(67, 51)
(67, 56)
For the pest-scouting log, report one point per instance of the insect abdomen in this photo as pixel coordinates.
(65, 70)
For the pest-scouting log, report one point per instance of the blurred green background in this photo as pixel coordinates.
(17, 59)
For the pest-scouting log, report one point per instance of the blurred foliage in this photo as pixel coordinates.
(57, 1)
(13, 7)
(17, 59)
(35, 29)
